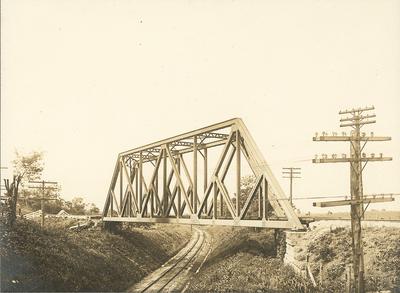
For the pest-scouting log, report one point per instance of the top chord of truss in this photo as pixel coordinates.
(170, 190)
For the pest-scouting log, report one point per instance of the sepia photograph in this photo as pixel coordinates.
(200, 146)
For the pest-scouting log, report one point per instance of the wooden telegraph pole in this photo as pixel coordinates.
(2, 187)
(291, 173)
(43, 199)
(356, 118)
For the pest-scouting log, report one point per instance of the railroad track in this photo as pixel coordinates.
(173, 275)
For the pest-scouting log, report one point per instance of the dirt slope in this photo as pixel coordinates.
(56, 259)
(333, 250)
(243, 260)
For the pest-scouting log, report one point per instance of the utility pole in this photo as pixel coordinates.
(43, 199)
(356, 119)
(291, 173)
(1, 174)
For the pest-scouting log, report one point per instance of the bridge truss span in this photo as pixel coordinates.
(196, 178)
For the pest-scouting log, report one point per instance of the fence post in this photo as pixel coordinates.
(348, 278)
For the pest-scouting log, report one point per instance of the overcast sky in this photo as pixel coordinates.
(85, 80)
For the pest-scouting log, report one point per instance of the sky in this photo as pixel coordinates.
(84, 80)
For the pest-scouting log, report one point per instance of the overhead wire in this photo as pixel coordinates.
(340, 196)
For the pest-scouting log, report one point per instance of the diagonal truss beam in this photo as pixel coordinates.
(251, 197)
(260, 166)
(133, 194)
(178, 178)
(150, 191)
(154, 203)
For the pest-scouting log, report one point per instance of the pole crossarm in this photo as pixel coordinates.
(357, 201)
(357, 123)
(350, 138)
(336, 203)
(357, 110)
(359, 118)
(290, 173)
(43, 199)
(45, 182)
(351, 160)
(185, 179)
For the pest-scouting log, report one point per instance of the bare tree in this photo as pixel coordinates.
(26, 167)
(12, 198)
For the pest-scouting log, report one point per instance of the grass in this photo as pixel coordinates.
(243, 260)
(381, 258)
(56, 259)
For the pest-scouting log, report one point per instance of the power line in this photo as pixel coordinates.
(43, 199)
(358, 160)
(291, 172)
(344, 196)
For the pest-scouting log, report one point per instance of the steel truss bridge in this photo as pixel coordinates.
(183, 179)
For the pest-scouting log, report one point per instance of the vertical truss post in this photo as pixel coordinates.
(140, 181)
(260, 203)
(121, 184)
(178, 167)
(195, 195)
(136, 176)
(128, 211)
(215, 199)
(164, 198)
(154, 191)
(237, 173)
(221, 201)
(126, 205)
(205, 175)
(259, 166)
(155, 194)
(129, 199)
(264, 198)
(179, 180)
(151, 201)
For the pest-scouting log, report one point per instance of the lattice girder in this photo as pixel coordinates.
(180, 198)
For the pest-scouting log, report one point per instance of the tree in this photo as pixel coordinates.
(12, 198)
(78, 205)
(28, 166)
(92, 209)
(66, 205)
(246, 186)
(53, 206)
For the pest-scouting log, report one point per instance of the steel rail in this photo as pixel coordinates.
(180, 269)
(175, 264)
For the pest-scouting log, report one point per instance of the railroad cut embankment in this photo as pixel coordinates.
(245, 260)
(56, 259)
(330, 251)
